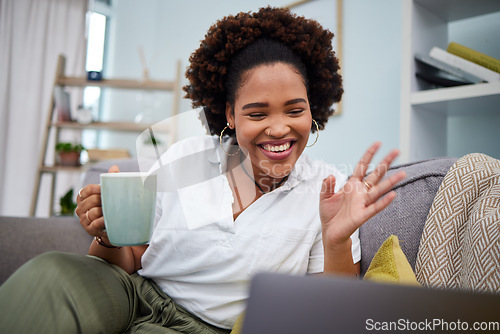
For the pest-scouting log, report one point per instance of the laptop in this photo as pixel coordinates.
(281, 303)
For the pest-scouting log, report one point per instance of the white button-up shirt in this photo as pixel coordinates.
(204, 259)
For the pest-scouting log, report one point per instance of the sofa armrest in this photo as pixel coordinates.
(23, 238)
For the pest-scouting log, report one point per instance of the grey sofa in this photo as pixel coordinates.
(23, 238)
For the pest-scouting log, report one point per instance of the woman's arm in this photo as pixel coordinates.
(128, 258)
(342, 213)
(338, 259)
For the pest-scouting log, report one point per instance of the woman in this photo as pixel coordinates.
(265, 80)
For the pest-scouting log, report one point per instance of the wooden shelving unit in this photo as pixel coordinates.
(117, 83)
(62, 80)
(116, 126)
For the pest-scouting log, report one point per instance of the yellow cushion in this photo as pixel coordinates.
(389, 265)
(238, 325)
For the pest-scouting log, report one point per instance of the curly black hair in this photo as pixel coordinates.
(214, 81)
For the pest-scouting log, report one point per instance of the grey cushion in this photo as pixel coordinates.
(23, 238)
(406, 215)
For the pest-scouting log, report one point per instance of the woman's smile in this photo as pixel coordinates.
(277, 150)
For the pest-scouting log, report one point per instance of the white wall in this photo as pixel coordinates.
(370, 109)
(371, 72)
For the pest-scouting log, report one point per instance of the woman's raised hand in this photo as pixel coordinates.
(360, 199)
(89, 207)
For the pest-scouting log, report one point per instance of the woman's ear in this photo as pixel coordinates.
(230, 115)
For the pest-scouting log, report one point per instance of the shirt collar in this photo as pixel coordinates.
(300, 172)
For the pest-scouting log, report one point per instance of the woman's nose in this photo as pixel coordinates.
(277, 129)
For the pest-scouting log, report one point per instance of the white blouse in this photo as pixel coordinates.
(204, 259)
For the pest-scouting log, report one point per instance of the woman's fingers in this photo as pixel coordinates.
(88, 203)
(91, 217)
(93, 213)
(87, 191)
(328, 187)
(377, 175)
(362, 166)
(96, 228)
(114, 169)
(89, 208)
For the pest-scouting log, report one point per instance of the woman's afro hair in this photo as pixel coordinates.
(209, 64)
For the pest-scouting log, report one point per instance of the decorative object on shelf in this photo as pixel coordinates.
(84, 115)
(68, 153)
(464, 64)
(442, 74)
(94, 76)
(61, 104)
(67, 205)
(474, 56)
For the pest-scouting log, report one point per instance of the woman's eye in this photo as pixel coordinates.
(256, 116)
(296, 112)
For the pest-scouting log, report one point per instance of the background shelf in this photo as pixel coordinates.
(117, 83)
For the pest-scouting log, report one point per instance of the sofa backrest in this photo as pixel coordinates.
(95, 170)
(406, 215)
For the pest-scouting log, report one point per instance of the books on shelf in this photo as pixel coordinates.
(474, 56)
(464, 64)
(441, 79)
(442, 74)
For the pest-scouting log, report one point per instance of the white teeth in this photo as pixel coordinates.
(277, 148)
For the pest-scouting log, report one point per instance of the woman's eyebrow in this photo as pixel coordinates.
(294, 101)
(255, 105)
(264, 105)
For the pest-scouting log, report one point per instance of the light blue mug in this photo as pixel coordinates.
(128, 206)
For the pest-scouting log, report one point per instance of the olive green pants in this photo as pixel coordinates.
(69, 293)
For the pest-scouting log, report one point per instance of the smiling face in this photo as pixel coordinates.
(272, 118)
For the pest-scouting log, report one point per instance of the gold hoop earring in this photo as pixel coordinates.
(220, 142)
(317, 134)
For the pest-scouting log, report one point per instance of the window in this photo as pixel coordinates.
(97, 23)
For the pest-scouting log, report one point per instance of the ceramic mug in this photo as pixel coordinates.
(128, 206)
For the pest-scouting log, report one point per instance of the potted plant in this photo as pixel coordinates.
(69, 153)
(67, 205)
(151, 146)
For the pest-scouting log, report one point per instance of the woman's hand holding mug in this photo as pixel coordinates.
(89, 208)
